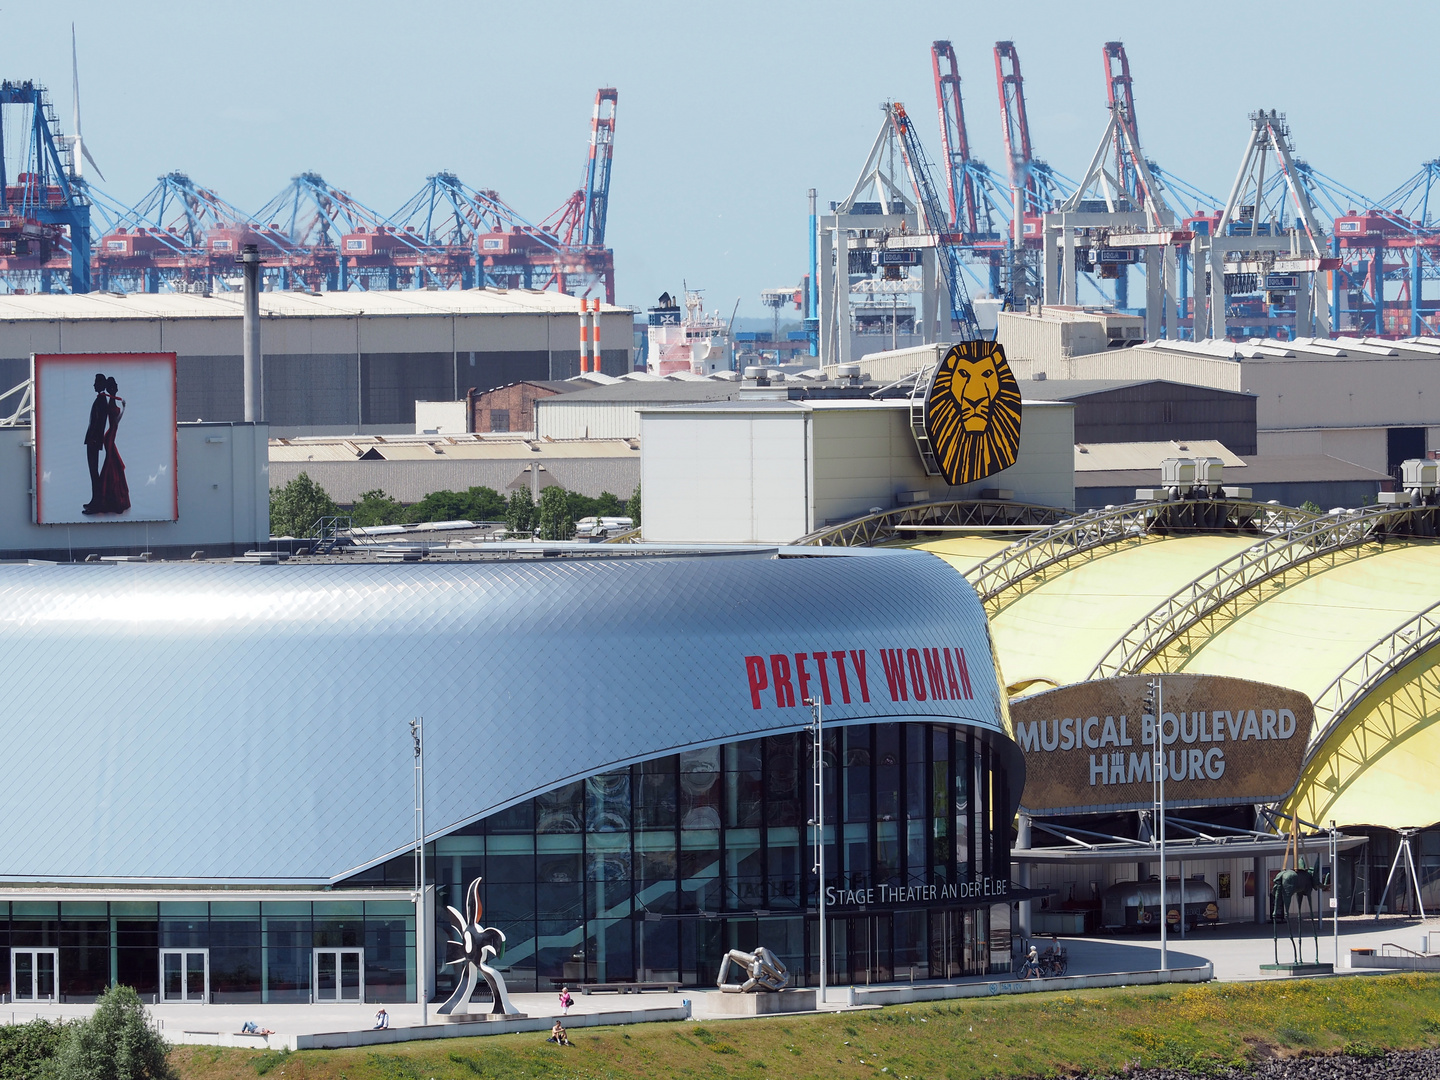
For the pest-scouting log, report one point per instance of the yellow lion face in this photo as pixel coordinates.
(972, 414)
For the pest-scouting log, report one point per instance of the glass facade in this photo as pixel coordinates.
(651, 872)
(256, 951)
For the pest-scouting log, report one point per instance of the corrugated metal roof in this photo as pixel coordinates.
(1112, 457)
(412, 302)
(444, 447)
(218, 722)
(1263, 469)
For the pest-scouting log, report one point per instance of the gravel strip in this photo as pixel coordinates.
(1410, 1064)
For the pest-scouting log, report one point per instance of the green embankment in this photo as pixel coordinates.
(1202, 1027)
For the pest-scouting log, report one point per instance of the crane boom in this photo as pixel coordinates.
(597, 170)
(1015, 125)
(1120, 89)
(954, 140)
(918, 169)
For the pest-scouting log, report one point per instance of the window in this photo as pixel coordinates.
(499, 419)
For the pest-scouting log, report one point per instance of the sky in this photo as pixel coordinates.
(727, 113)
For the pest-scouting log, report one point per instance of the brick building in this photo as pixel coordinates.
(512, 407)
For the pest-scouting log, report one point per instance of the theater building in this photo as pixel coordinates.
(211, 771)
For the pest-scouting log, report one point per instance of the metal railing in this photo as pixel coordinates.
(1223, 584)
(24, 408)
(1111, 525)
(1399, 647)
(983, 514)
(326, 533)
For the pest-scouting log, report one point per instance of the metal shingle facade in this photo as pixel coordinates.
(222, 722)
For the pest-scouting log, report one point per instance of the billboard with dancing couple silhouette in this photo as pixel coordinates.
(104, 437)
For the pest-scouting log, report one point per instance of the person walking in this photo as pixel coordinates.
(565, 1000)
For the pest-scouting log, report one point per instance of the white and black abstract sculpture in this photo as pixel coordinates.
(763, 969)
(476, 945)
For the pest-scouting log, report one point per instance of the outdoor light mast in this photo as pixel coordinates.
(818, 727)
(417, 736)
(1156, 697)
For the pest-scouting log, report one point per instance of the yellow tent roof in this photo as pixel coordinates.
(1301, 630)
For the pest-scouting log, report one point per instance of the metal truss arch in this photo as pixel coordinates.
(1225, 583)
(1367, 733)
(1368, 671)
(1113, 525)
(996, 515)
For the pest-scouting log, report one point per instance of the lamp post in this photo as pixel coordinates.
(1157, 698)
(818, 727)
(417, 736)
(1335, 889)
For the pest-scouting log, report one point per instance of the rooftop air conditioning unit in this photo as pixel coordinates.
(1420, 476)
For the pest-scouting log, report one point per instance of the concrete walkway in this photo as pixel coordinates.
(1235, 950)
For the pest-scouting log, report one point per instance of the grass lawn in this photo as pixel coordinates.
(1035, 1035)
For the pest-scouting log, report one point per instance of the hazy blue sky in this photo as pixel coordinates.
(727, 112)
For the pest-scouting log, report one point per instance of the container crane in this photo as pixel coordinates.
(1034, 186)
(579, 223)
(44, 208)
(475, 239)
(979, 205)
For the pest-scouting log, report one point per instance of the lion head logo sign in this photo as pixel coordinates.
(972, 413)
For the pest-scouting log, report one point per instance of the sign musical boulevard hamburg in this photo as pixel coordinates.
(1092, 746)
(972, 413)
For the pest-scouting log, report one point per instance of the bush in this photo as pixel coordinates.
(24, 1048)
(555, 522)
(115, 1043)
(296, 507)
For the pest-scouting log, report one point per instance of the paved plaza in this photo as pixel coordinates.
(1235, 950)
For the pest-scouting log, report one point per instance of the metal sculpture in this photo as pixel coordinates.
(1299, 884)
(763, 968)
(476, 946)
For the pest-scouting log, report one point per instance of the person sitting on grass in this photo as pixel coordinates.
(557, 1035)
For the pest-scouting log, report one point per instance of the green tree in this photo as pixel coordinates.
(520, 512)
(25, 1048)
(555, 520)
(632, 508)
(296, 507)
(583, 506)
(439, 506)
(376, 508)
(1310, 506)
(115, 1043)
(486, 504)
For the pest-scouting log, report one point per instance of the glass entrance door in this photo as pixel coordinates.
(185, 975)
(35, 974)
(870, 941)
(339, 975)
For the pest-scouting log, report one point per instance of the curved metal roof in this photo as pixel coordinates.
(207, 722)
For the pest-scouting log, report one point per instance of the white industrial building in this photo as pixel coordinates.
(334, 363)
(1362, 400)
(409, 467)
(772, 471)
(224, 502)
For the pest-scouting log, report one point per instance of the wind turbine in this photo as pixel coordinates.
(79, 152)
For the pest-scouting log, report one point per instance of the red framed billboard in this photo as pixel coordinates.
(105, 437)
